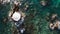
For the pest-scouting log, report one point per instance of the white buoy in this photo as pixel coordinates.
(16, 16)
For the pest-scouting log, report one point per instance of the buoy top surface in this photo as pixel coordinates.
(16, 16)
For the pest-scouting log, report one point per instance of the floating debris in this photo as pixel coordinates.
(43, 3)
(58, 24)
(55, 25)
(4, 1)
(53, 16)
(22, 30)
(54, 22)
(51, 26)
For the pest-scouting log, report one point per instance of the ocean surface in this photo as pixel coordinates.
(36, 17)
